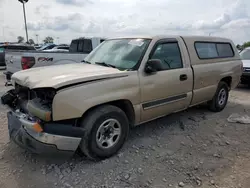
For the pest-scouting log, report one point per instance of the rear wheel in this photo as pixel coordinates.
(219, 101)
(107, 128)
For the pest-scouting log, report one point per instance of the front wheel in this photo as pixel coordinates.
(107, 128)
(219, 101)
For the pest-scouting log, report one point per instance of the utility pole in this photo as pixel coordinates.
(24, 14)
(57, 40)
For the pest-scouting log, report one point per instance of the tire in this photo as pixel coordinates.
(216, 105)
(94, 125)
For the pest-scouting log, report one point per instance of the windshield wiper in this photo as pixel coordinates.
(85, 61)
(105, 64)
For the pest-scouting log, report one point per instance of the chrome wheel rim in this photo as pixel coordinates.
(108, 134)
(222, 97)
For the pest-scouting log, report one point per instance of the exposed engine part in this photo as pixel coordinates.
(37, 103)
(9, 98)
(39, 108)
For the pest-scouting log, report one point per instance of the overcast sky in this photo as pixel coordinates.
(69, 19)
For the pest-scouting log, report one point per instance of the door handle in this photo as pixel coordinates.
(183, 77)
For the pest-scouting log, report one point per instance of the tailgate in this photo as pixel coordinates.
(13, 61)
(57, 58)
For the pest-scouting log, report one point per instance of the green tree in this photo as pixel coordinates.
(246, 44)
(48, 40)
(31, 41)
(20, 39)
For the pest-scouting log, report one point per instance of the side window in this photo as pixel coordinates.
(210, 50)
(16, 48)
(225, 50)
(87, 47)
(169, 54)
(30, 48)
(206, 50)
(63, 48)
(73, 46)
(80, 46)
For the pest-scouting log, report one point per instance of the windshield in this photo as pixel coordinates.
(245, 54)
(120, 53)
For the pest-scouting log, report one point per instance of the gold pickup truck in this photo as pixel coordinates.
(124, 82)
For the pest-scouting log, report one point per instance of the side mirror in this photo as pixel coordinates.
(153, 65)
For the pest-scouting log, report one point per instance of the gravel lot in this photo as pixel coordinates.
(195, 148)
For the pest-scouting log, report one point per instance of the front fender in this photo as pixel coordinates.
(74, 101)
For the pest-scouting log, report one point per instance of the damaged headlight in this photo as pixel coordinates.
(40, 109)
(41, 103)
(46, 94)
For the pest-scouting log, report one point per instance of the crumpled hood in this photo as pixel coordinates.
(62, 75)
(246, 63)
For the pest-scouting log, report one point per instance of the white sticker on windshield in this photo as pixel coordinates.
(136, 42)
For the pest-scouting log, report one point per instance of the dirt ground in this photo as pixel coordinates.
(195, 148)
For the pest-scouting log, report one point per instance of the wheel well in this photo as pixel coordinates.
(227, 80)
(124, 105)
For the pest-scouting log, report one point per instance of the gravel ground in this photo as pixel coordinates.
(195, 148)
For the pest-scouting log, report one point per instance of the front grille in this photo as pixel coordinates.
(247, 69)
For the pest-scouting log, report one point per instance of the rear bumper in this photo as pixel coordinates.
(44, 143)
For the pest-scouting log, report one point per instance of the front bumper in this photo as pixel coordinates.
(49, 142)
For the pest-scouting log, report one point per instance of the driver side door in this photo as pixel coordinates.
(170, 89)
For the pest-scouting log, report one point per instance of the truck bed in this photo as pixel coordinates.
(13, 59)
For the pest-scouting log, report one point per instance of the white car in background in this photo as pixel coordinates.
(245, 57)
(58, 49)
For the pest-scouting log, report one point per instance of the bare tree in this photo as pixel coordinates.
(31, 41)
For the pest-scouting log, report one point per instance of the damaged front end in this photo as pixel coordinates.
(37, 103)
(31, 125)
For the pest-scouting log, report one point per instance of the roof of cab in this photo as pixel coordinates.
(188, 37)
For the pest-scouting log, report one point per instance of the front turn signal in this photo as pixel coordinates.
(37, 127)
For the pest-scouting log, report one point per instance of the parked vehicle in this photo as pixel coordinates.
(58, 49)
(245, 56)
(78, 50)
(46, 47)
(10, 47)
(124, 82)
(37, 46)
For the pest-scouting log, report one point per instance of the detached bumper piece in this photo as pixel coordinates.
(50, 140)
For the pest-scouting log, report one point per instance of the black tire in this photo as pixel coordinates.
(214, 104)
(91, 123)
